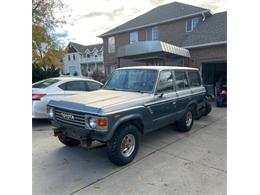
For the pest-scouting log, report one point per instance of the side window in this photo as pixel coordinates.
(165, 82)
(181, 80)
(194, 78)
(111, 45)
(93, 86)
(76, 86)
(63, 86)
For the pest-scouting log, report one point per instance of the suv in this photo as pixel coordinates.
(134, 101)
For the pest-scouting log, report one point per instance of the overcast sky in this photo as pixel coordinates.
(87, 19)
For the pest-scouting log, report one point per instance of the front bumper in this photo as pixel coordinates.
(78, 133)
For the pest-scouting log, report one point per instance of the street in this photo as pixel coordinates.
(168, 162)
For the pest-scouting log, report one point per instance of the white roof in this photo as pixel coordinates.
(159, 68)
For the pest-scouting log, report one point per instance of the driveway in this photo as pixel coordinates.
(168, 162)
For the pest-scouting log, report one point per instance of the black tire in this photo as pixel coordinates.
(182, 125)
(114, 150)
(68, 141)
(208, 109)
(219, 102)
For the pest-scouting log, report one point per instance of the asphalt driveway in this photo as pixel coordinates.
(168, 162)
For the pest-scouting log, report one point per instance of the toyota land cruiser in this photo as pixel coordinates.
(134, 101)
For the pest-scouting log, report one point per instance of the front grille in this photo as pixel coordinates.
(68, 117)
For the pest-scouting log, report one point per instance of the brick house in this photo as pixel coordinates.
(171, 34)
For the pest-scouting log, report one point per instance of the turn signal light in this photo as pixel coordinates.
(102, 122)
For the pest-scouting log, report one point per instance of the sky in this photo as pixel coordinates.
(86, 19)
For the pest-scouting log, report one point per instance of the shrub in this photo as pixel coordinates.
(44, 72)
(99, 76)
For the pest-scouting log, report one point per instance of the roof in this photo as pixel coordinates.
(73, 78)
(212, 31)
(82, 48)
(150, 47)
(158, 15)
(158, 68)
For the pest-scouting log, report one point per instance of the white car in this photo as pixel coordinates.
(54, 88)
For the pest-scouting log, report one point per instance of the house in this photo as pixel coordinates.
(172, 34)
(83, 60)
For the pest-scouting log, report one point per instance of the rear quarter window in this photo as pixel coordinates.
(93, 86)
(45, 83)
(194, 79)
(181, 80)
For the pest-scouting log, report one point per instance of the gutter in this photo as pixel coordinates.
(206, 44)
(153, 24)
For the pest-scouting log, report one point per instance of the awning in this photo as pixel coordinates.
(151, 49)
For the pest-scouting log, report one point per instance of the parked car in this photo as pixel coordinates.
(134, 101)
(53, 88)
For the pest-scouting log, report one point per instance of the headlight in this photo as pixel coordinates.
(50, 112)
(97, 123)
(92, 122)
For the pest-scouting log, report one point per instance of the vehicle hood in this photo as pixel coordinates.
(102, 101)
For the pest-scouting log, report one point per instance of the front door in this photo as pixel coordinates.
(163, 106)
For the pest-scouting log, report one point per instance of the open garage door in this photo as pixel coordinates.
(214, 74)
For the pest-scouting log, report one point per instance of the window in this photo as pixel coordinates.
(111, 45)
(153, 34)
(74, 86)
(73, 56)
(181, 80)
(69, 57)
(194, 78)
(140, 80)
(191, 24)
(165, 82)
(133, 37)
(93, 86)
(45, 83)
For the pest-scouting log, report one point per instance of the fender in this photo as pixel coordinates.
(123, 120)
(190, 103)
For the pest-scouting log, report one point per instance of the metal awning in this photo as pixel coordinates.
(145, 50)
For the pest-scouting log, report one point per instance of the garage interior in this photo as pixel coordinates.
(214, 74)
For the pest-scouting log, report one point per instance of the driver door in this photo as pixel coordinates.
(164, 104)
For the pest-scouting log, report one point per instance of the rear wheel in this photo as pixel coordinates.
(123, 147)
(68, 141)
(186, 122)
(208, 109)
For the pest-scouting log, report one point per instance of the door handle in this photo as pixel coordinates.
(173, 103)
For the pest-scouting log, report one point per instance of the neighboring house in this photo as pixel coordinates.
(83, 60)
(171, 34)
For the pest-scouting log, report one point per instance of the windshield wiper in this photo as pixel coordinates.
(138, 91)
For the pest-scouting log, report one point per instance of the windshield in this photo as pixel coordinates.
(44, 83)
(139, 80)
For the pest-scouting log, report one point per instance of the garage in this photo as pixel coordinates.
(214, 75)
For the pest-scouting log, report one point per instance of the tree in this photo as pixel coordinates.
(45, 49)
(43, 13)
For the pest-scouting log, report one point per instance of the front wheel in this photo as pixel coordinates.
(186, 122)
(123, 147)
